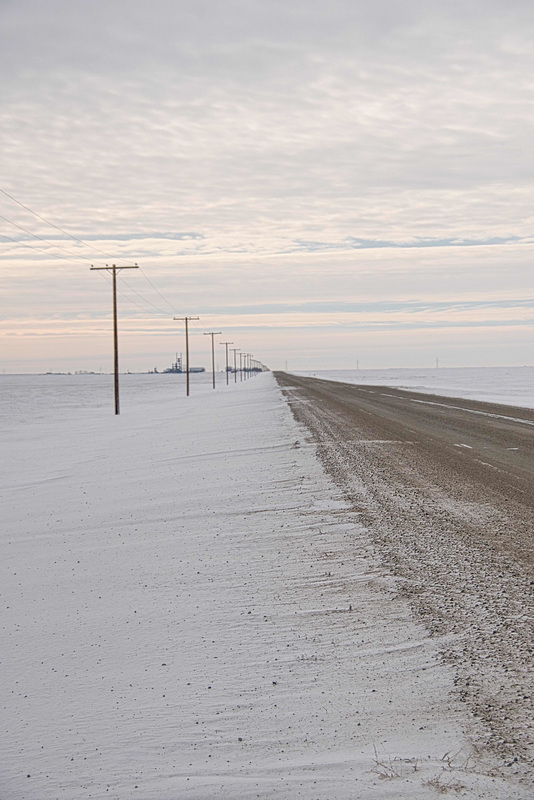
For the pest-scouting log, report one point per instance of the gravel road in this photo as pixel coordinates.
(446, 488)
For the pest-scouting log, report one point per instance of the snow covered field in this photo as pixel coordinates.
(512, 386)
(190, 610)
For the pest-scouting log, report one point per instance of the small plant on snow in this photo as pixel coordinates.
(391, 769)
(443, 787)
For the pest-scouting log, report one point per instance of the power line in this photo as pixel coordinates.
(78, 256)
(125, 296)
(159, 310)
(70, 260)
(130, 299)
(77, 239)
(39, 249)
(52, 224)
(36, 236)
(157, 290)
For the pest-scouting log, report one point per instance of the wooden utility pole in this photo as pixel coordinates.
(186, 320)
(244, 366)
(235, 350)
(114, 269)
(213, 334)
(226, 345)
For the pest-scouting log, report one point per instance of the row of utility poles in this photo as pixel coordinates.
(247, 366)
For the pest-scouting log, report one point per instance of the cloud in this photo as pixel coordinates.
(295, 151)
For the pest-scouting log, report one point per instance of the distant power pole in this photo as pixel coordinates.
(235, 350)
(114, 269)
(226, 345)
(213, 334)
(186, 320)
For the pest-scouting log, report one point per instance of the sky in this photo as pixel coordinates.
(327, 184)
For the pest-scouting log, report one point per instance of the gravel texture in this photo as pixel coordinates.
(446, 488)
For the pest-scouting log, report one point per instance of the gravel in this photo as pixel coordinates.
(457, 533)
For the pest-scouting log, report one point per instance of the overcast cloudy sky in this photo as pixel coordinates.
(323, 182)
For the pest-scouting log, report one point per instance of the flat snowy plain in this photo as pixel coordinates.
(191, 610)
(513, 386)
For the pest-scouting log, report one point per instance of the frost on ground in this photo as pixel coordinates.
(191, 610)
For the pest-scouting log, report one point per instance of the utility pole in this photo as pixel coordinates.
(186, 320)
(114, 269)
(212, 334)
(235, 350)
(226, 345)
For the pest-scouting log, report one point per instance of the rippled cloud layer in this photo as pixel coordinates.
(342, 177)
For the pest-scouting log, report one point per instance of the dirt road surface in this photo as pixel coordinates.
(446, 488)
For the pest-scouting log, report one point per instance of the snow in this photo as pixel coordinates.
(512, 386)
(190, 609)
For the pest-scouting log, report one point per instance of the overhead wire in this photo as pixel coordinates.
(81, 241)
(47, 241)
(41, 250)
(38, 249)
(157, 291)
(76, 239)
(103, 275)
(65, 258)
(77, 256)
(161, 311)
